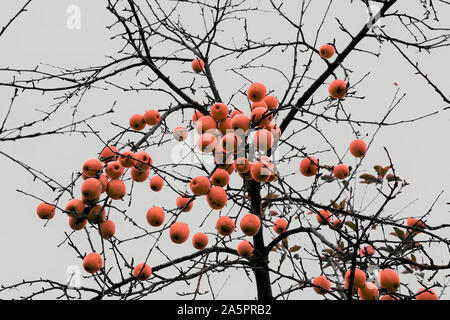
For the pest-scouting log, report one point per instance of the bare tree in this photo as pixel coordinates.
(155, 44)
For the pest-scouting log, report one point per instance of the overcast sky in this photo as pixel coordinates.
(420, 150)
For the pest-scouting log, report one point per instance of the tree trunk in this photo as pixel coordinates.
(260, 260)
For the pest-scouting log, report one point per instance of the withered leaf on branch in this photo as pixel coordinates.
(351, 225)
(390, 177)
(294, 248)
(368, 178)
(340, 206)
(407, 270)
(285, 242)
(381, 171)
(387, 249)
(329, 251)
(327, 178)
(398, 233)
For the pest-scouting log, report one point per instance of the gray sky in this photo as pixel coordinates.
(419, 150)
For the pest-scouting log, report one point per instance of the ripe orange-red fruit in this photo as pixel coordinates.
(415, 223)
(155, 216)
(152, 117)
(180, 133)
(280, 225)
(250, 224)
(116, 189)
(221, 157)
(139, 175)
(261, 117)
(156, 183)
(127, 159)
(256, 92)
(263, 140)
(259, 104)
(367, 251)
(89, 201)
(197, 65)
(235, 113)
(354, 290)
(92, 262)
(229, 168)
(326, 51)
(245, 248)
(225, 125)
(337, 89)
(97, 214)
(217, 197)
(220, 177)
(179, 232)
(261, 171)
(200, 240)
(323, 217)
(246, 175)
(103, 181)
(230, 142)
(142, 271)
(341, 171)
(205, 124)
(143, 160)
(388, 279)
(184, 203)
(368, 292)
(106, 229)
(358, 148)
(271, 102)
(242, 165)
(200, 185)
(273, 176)
(323, 283)
(206, 142)
(75, 207)
(114, 169)
(225, 226)
(359, 279)
(309, 166)
(197, 115)
(77, 223)
(45, 211)
(137, 122)
(91, 189)
(92, 167)
(426, 294)
(388, 297)
(338, 223)
(219, 111)
(240, 123)
(109, 153)
(276, 131)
